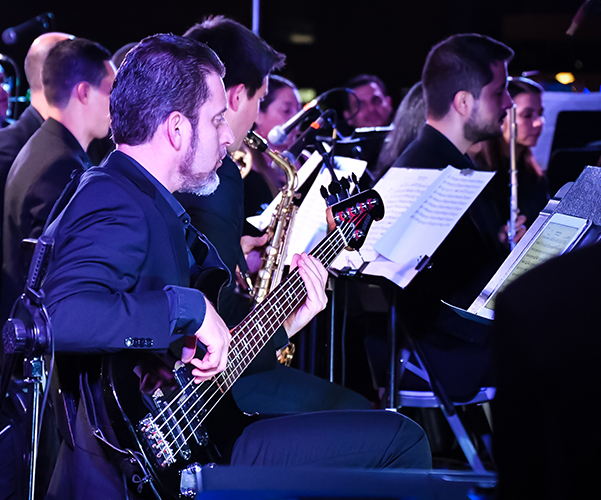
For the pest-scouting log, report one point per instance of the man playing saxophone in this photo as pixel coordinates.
(266, 386)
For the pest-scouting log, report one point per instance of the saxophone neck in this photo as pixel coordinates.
(255, 141)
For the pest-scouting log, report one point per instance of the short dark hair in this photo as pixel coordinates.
(360, 80)
(247, 57)
(160, 75)
(70, 62)
(276, 82)
(459, 63)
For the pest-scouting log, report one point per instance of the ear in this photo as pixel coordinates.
(463, 103)
(235, 96)
(81, 91)
(177, 127)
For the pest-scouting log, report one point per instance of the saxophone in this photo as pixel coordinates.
(279, 229)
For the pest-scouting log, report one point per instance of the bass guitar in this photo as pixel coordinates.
(164, 422)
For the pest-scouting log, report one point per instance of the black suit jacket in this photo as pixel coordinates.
(37, 178)
(547, 344)
(118, 243)
(467, 258)
(12, 139)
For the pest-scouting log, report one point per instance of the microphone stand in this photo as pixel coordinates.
(28, 332)
(14, 96)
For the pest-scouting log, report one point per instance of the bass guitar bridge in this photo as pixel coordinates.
(173, 420)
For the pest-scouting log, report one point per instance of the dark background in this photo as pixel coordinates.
(387, 37)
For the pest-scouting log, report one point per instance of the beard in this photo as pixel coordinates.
(474, 131)
(200, 183)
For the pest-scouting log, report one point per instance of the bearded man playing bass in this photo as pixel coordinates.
(118, 282)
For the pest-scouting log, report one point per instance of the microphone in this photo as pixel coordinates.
(308, 136)
(277, 135)
(39, 24)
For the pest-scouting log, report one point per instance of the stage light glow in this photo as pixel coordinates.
(565, 77)
(302, 38)
(307, 94)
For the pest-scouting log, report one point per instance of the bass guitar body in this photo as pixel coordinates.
(156, 412)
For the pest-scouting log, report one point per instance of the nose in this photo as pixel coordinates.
(539, 122)
(227, 136)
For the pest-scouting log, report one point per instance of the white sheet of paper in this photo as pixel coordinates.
(262, 221)
(421, 207)
(399, 188)
(310, 225)
(422, 229)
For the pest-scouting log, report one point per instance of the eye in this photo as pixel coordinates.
(376, 100)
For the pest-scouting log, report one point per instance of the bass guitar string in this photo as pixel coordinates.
(334, 253)
(241, 336)
(226, 377)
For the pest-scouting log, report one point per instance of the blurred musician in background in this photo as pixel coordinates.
(465, 87)
(371, 106)
(408, 121)
(13, 138)
(364, 116)
(77, 76)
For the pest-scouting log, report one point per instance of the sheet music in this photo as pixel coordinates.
(310, 225)
(262, 221)
(419, 231)
(553, 240)
(422, 206)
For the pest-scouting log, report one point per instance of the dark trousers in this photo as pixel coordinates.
(370, 439)
(288, 390)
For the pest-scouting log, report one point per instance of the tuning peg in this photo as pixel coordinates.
(345, 183)
(354, 179)
(335, 188)
(324, 192)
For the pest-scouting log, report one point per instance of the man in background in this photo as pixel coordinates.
(371, 106)
(14, 137)
(77, 76)
(267, 386)
(465, 87)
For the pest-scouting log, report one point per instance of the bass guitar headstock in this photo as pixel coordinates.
(354, 216)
